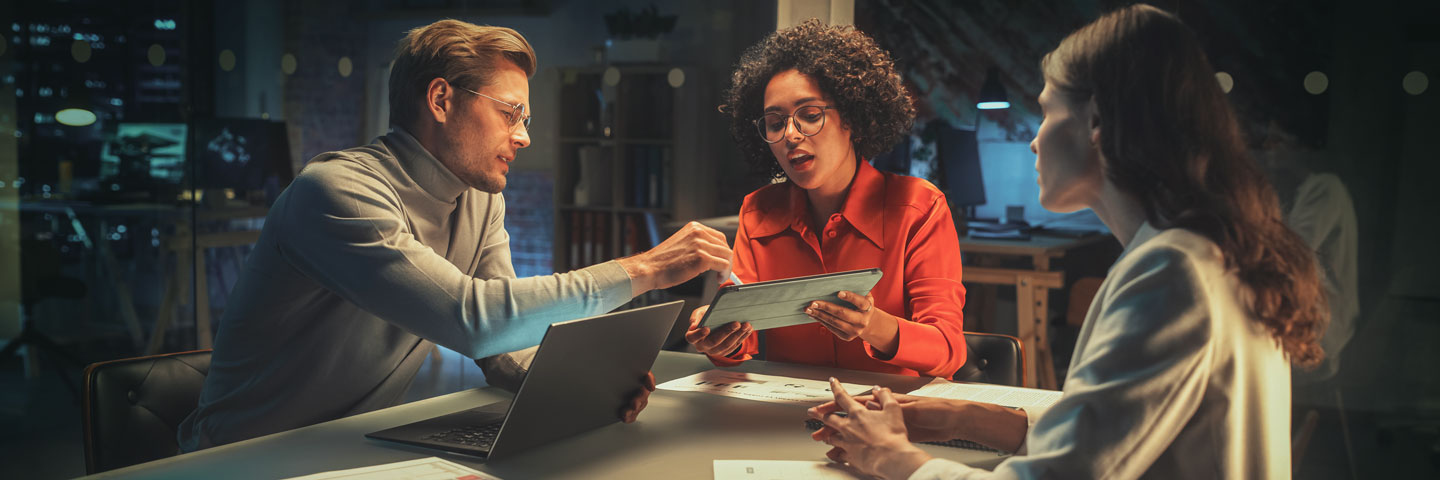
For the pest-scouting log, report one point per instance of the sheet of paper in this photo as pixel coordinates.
(432, 468)
(1013, 397)
(781, 469)
(764, 388)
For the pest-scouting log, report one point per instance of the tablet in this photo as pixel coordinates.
(781, 303)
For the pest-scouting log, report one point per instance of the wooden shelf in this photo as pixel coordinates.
(629, 177)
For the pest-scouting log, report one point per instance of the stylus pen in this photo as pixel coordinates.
(734, 279)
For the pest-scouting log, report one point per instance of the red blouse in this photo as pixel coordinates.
(901, 225)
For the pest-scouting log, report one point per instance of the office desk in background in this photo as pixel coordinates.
(1032, 290)
(678, 436)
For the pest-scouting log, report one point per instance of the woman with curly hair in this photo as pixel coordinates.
(1181, 368)
(808, 105)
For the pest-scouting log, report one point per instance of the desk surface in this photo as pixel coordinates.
(677, 436)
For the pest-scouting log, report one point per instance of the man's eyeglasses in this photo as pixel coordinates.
(516, 113)
(808, 121)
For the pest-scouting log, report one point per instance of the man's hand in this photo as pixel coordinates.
(694, 249)
(640, 400)
(720, 341)
(871, 437)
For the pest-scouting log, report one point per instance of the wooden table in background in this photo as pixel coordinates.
(189, 249)
(1032, 288)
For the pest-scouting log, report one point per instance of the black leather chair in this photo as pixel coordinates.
(992, 358)
(133, 406)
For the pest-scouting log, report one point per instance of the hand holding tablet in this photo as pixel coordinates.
(781, 303)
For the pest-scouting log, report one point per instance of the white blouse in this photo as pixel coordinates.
(1172, 378)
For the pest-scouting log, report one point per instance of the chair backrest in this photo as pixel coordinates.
(1082, 293)
(133, 407)
(992, 358)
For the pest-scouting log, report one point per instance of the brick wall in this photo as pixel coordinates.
(530, 219)
(325, 110)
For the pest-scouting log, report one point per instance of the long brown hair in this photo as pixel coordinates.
(1169, 137)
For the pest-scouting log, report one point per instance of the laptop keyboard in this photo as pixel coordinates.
(482, 436)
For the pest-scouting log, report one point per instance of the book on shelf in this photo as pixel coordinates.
(576, 231)
(652, 175)
(649, 171)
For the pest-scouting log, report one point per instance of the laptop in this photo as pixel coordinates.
(583, 375)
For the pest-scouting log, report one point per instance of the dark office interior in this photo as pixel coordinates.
(141, 144)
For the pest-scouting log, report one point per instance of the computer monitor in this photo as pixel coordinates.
(958, 152)
(243, 154)
(143, 156)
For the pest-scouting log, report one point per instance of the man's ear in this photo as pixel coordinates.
(439, 100)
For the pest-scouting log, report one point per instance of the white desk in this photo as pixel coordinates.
(677, 436)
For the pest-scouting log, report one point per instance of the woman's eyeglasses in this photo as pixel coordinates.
(808, 120)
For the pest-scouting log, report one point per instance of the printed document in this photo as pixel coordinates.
(781, 469)
(764, 388)
(432, 468)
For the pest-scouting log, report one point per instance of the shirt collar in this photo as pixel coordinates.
(1142, 234)
(864, 208)
(422, 167)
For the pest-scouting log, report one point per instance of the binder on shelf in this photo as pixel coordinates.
(652, 230)
(630, 241)
(652, 175)
(587, 248)
(592, 184)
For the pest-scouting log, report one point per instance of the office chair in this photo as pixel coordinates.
(133, 407)
(992, 358)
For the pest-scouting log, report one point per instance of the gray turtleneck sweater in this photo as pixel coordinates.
(368, 257)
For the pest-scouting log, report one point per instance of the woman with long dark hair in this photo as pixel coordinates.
(1181, 368)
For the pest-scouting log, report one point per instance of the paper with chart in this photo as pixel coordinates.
(781, 469)
(764, 388)
(1014, 397)
(430, 468)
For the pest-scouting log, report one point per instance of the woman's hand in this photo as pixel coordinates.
(859, 320)
(870, 437)
(927, 419)
(719, 342)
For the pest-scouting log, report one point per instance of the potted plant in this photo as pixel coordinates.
(635, 36)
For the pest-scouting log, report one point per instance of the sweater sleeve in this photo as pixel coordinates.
(344, 227)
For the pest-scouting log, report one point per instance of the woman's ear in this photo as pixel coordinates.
(439, 100)
(1094, 122)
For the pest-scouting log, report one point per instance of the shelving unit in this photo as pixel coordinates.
(622, 128)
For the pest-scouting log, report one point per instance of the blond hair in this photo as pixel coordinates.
(463, 54)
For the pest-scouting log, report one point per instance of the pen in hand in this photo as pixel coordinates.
(735, 280)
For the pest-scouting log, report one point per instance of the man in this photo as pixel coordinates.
(375, 252)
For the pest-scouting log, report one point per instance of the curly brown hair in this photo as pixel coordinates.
(856, 75)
